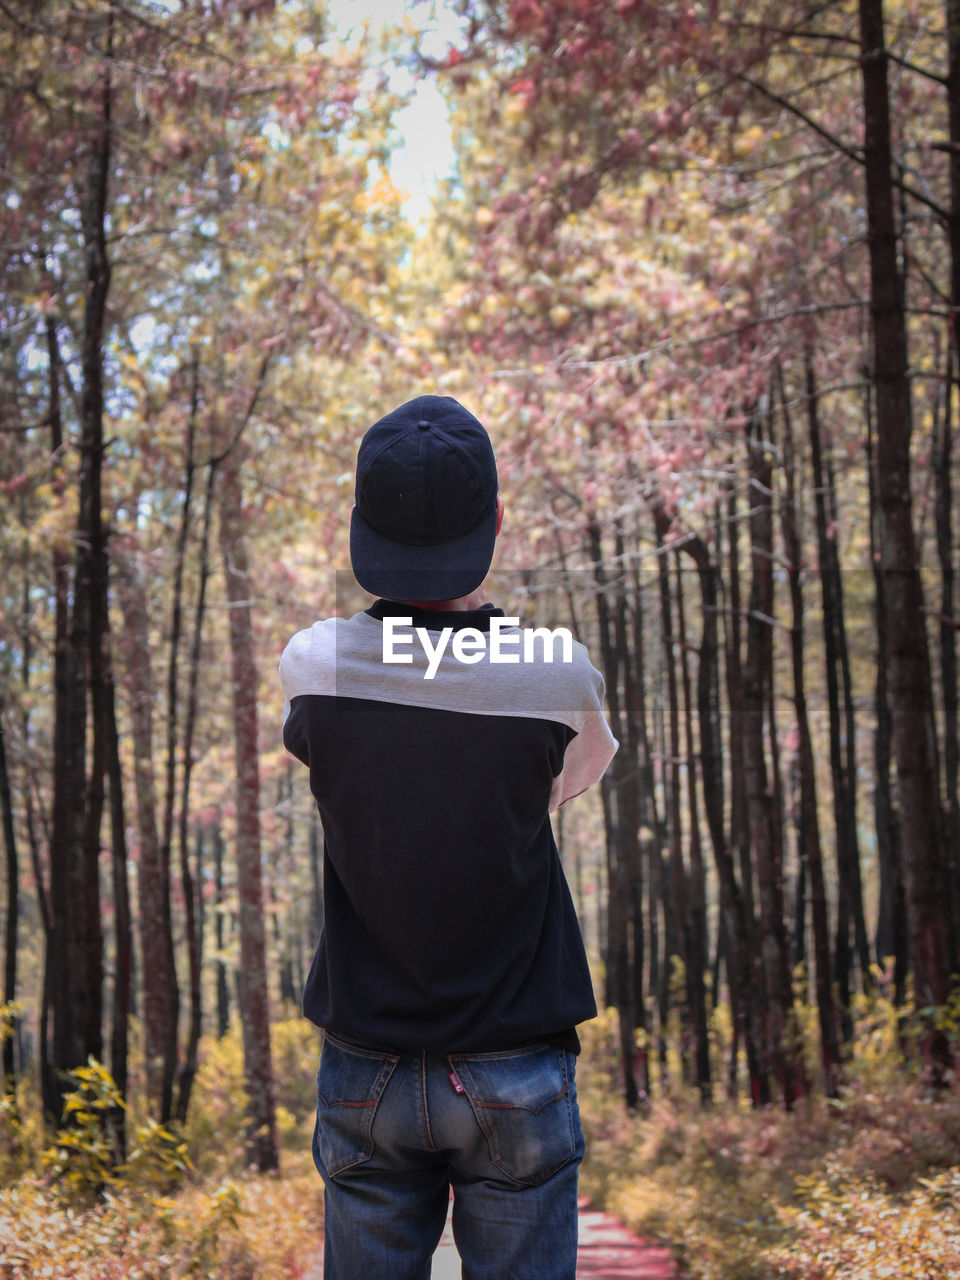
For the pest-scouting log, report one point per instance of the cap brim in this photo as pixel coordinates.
(445, 571)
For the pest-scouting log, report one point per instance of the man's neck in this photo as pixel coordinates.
(461, 605)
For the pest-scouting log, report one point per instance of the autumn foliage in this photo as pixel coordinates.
(697, 266)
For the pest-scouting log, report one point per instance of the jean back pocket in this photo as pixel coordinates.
(525, 1104)
(350, 1084)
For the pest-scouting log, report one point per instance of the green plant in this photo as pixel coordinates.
(82, 1160)
(159, 1159)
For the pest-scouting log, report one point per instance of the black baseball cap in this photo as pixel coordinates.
(425, 520)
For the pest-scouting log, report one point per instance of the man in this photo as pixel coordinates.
(450, 974)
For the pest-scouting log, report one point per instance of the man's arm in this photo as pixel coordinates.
(307, 665)
(589, 753)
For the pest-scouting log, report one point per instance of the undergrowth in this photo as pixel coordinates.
(183, 1203)
(860, 1187)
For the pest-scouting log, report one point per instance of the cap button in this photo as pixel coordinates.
(423, 425)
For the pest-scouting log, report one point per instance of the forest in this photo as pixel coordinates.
(696, 266)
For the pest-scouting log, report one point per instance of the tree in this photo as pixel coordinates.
(811, 855)
(744, 116)
(253, 969)
(130, 127)
(13, 902)
(910, 690)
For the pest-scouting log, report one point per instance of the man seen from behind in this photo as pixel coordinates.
(450, 974)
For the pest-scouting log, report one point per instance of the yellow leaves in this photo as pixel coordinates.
(856, 1232)
(382, 193)
(856, 1191)
(81, 1161)
(249, 172)
(39, 302)
(228, 1229)
(423, 338)
(513, 112)
(10, 1012)
(746, 143)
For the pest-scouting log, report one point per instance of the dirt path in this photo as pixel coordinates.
(608, 1251)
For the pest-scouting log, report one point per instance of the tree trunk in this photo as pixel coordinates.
(190, 889)
(739, 822)
(679, 893)
(622, 849)
(811, 854)
(943, 506)
(698, 896)
(739, 839)
(798, 954)
(633, 813)
(855, 891)
(610, 981)
(161, 995)
(223, 986)
(123, 951)
(183, 1078)
(910, 685)
(948, 654)
(13, 905)
(646, 943)
(68, 886)
(199, 861)
(661, 898)
(64, 766)
(757, 682)
(76, 950)
(846, 844)
(254, 1006)
(892, 938)
(92, 560)
(30, 823)
(739, 959)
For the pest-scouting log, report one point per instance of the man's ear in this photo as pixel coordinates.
(499, 513)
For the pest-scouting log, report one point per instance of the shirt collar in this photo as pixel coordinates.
(436, 619)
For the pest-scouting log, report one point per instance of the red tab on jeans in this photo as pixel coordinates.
(455, 1081)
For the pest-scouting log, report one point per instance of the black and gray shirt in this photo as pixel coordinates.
(448, 924)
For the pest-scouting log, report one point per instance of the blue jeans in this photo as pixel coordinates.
(395, 1131)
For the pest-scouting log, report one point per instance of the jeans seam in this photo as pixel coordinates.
(424, 1102)
(534, 1111)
